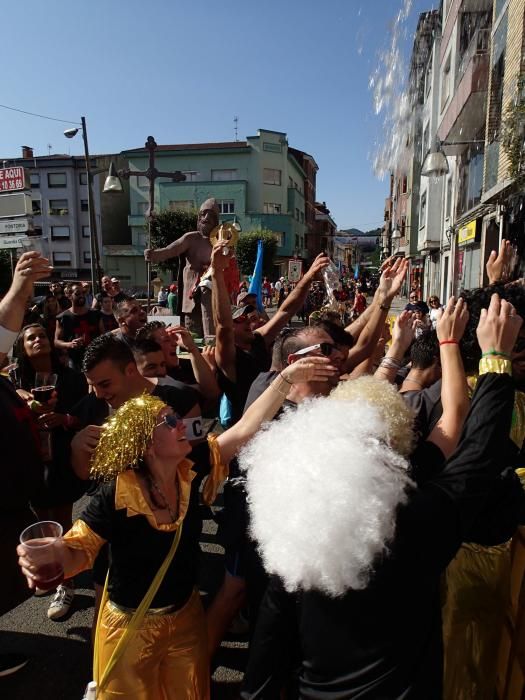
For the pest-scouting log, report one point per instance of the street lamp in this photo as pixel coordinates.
(93, 239)
(113, 184)
(436, 162)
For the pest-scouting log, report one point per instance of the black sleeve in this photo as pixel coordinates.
(99, 513)
(180, 398)
(273, 645)
(426, 462)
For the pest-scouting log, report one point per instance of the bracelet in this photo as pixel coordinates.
(275, 388)
(492, 351)
(284, 379)
(384, 308)
(448, 342)
(390, 363)
(495, 365)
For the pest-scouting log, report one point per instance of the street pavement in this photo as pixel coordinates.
(60, 652)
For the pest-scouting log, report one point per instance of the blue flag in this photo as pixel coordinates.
(256, 281)
(356, 273)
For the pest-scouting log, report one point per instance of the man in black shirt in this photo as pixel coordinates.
(131, 317)
(77, 327)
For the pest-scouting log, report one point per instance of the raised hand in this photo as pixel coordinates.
(31, 267)
(219, 259)
(498, 327)
(183, 337)
(320, 262)
(453, 321)
(391, 280)
(310, 369)
(404, 331)
(499, 265)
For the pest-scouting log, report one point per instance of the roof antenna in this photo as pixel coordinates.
(235, 127)
(49, 147)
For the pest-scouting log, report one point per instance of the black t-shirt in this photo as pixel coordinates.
(138, 550)
(109, 321)
(183, 372)
(85, 326)
(248, 365)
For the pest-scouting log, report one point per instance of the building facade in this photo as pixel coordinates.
(258, 182)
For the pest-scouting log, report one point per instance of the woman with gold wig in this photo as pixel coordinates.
(151, 633)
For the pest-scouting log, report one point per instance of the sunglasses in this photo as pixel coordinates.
(171, 421)
(325, 348)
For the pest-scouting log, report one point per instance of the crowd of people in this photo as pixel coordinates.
(369, 480)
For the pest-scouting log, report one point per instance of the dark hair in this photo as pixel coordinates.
(476, 300)
(335, 331)
(145, 345)
(119, 308)
(424, 350)
(107, 347)
(147, 331)
(25, 368)
(294, 341)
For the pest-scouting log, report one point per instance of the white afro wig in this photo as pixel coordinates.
(323, 488)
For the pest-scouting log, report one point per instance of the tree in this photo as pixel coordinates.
(246, 251)
(169, 226)
(513, 133)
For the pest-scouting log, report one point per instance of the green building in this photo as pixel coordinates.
(258, 182)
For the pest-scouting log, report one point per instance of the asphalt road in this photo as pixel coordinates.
(60, 652)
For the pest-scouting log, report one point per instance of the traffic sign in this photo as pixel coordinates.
(15, 226)
(13, 179)
(14, 242)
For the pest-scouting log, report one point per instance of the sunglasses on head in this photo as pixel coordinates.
(325, 348)
(170, 420)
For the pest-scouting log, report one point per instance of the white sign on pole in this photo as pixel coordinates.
(18, 226)
(16, 204)
(13, 242)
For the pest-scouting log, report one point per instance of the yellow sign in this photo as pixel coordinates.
(467, 233)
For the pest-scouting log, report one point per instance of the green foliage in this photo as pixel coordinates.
(513, 133)
(246, 251)
(169, 226)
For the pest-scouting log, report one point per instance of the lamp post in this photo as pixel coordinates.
(93, 238)
(151, 174)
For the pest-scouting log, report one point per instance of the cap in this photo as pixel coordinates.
(281, 279)
(238, 311)
(243, 295)
(115, 279)
(173, 287)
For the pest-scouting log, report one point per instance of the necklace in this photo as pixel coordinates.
(164, 504)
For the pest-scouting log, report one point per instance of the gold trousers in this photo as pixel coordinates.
(166, 659)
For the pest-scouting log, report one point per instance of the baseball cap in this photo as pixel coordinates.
(239, 311)
(242, 296)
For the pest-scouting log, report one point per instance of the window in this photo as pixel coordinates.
(142, 182)
(279, 235)
(223, 175)
(61, 259)
(59, 233)
(424, 144)
(82, 178)
(271, 176)
(37, 206)
(271, 208)
(191, 175)
(56, 180)
(86, 255)
(428, 76)
(185, 204)
(297, 214)
(423, 210)
(85, 232)
(302, 217)
(446, 79)
(84, 205)
(58, 207)
(297, 242)
(404, 185)
(448, 208)
(34, 179)
(142, 208)
(227, 206)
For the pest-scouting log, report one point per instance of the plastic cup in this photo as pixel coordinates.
(38, 540)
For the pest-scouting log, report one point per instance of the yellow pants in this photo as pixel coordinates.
(166, 659)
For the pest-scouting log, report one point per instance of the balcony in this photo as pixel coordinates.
(466, 110)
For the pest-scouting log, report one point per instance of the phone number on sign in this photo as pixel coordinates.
(6, 185)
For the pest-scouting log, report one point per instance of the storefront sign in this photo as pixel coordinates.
(295, 270)
(467, 233)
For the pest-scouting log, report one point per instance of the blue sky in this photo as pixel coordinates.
(182, 70)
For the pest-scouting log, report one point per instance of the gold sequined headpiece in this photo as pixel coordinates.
(125, 437)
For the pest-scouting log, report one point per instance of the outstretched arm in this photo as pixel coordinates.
(222, 314)
(172, 250)
(293, 302)
(402, 336)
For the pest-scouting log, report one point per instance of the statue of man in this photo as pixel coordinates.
(196, 246)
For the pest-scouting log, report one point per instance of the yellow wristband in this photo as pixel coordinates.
(495, 365)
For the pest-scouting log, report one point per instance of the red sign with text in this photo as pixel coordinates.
(12, 179)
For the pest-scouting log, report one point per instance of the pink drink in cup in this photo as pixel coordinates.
(39, 540)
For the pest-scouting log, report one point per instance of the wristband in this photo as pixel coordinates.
(384, 308)
(492, 351)
(495, 365)
(449, 342)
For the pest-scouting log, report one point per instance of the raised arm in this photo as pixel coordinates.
(30, 267)
(309, 369)
(402, 337)
(293, 302)
(206, 381)
(222, 314)
(454, 389)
